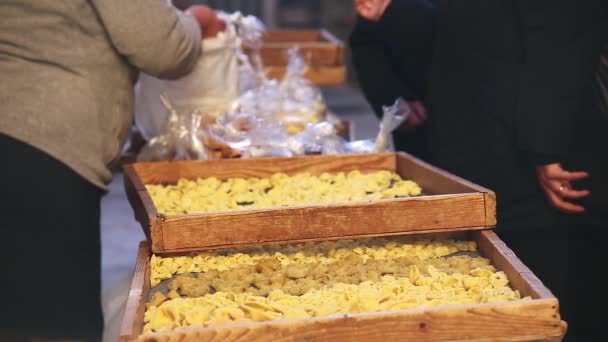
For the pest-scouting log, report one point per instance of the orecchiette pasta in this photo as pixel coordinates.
(213, 195)
(316, 279)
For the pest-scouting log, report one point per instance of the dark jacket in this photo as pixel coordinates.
(392, 59)
(511, 88)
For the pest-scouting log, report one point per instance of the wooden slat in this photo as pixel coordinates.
(293, 36)
(133, 319)
(315, 54)
(318, 75)
(435, 180)
(439, 232)
(171, 172)
(140, 210)
(132, 176)
(505, 260)
(318, 47)
(143, 207)
(490, 201)
(334, 40)
(515, 321)
(408, 215)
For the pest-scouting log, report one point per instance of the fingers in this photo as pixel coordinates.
(419, 109)
(214, 28)
(417, 116)
(560, 204)
(555, 182)
(555, 171)
(565, 190)
(210, 24)
(413, 120)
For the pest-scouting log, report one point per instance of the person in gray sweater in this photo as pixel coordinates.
(66, 105)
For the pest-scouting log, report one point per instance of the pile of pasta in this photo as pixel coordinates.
(213, 195)
(316, 279)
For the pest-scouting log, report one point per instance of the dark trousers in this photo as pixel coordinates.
(588, 246)
(50, 253)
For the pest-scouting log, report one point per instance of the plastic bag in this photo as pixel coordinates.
(210, 88)
(250, 31)
(302, 101)
(392, 118)
(182, 138)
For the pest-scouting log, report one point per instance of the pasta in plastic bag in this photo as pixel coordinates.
(393, 117)
(182, 138)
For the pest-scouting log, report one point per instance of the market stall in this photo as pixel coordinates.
(406, 253)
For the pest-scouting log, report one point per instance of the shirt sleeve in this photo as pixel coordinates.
(380, 84)
(152, 35)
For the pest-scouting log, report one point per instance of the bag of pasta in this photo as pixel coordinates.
(182, 138)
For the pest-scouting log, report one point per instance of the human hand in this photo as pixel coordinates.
(555, 182)
(417, 117)
(371, 9)
(182, 5)
(210, 24)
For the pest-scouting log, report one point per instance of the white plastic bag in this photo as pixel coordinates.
(181, 138)
(392, 118)
(210, 88)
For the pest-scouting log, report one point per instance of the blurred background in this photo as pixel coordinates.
(336, 16)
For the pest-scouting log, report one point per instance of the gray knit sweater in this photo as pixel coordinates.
(67, 69)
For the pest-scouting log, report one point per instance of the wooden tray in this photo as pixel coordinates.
(449, 203)
(323, 53)
(532, 320)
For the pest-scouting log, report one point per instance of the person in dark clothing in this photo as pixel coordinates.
(511, 107)
(511, 96)
(392, 58)
(589, 232)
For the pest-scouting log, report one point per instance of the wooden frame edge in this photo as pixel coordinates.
(415, 322)
(132, 321)
(506, 258)
(474, 187)
(345, 237)
(338, 43)
(490, 203)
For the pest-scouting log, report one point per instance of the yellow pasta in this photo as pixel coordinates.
(325, 252)
(213, 195)
(315, 279)
(389, 293)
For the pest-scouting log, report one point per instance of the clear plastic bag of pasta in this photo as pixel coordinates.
(302, 102)
(393, 116)
(182, 138)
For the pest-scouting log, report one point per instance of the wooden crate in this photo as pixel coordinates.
(524, 320)
(448, 203)
(323, 53)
